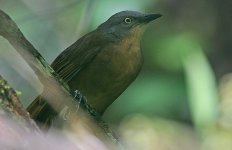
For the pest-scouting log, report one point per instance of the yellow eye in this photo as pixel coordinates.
(127, 20)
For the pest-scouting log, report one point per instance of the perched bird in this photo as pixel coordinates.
(102, 63)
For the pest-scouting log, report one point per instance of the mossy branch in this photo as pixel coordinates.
(48, 77)
(11, 106)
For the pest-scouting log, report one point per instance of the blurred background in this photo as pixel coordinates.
(184, 87)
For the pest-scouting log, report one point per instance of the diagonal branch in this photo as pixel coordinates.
(48, 77)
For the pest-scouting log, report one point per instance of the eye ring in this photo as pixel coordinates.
(127, 20)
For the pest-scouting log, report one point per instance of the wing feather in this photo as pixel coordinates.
(77, 56)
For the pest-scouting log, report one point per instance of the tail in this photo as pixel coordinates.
(42, 112)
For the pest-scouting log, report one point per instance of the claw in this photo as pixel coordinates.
(76, 94)
(79, 98)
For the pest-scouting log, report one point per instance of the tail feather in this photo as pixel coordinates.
(42, 112)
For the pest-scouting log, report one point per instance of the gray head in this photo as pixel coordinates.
(126, 23)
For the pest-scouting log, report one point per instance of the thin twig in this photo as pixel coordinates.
(11, 104)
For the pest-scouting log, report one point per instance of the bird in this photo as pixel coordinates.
(101, 64)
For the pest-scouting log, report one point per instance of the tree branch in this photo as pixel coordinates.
(11, 105)
(48, 77)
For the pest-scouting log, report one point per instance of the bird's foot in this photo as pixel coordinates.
(79, 98)
(82, 100)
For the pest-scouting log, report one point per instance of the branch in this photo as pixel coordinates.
(10, 31)
(11, 106)
(48, 77)
(19, 131)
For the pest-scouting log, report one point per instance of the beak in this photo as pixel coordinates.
(148, 18)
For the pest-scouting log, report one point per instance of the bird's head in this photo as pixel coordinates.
(127, 23)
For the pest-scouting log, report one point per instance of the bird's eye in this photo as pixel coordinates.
(127, 20)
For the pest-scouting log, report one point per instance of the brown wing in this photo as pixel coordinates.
(77, 56)
(67, 64)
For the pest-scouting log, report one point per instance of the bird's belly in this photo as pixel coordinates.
(107, 76)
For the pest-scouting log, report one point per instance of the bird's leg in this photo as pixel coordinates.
(82, 100)
(79, 98)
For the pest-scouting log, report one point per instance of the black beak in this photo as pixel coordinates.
(149, 17)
